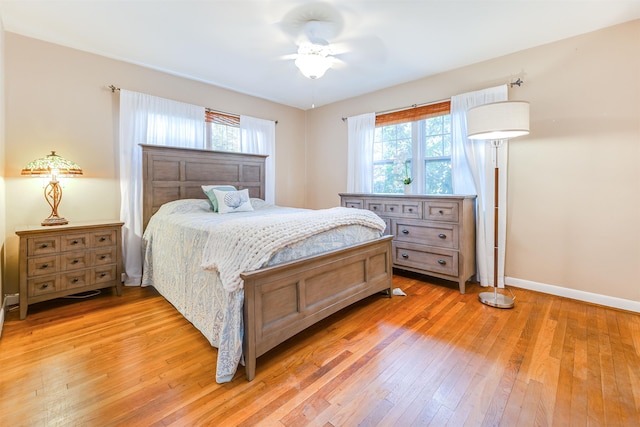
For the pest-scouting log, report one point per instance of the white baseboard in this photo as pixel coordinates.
(2, 311)
(621, 303)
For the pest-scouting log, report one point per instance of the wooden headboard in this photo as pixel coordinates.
(171, 173)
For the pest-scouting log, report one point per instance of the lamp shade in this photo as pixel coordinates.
(498, 120)
(52, 165)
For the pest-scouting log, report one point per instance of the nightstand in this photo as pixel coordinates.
(56, 261)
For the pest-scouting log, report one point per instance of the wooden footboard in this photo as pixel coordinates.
(283, 300)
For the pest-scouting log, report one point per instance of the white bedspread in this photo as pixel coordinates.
(247, 244)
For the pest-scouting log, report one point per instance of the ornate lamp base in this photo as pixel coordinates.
(53, 196)
(55, 221)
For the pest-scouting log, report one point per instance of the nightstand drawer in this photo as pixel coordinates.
(76, 279)
(43, 285)
(75, 260)
(43, 265)
(104, 256)
(104, 274)
(74, 242)
(103, 238)
(43, 245)
(433, 260)
(422, 232)
(441, 211)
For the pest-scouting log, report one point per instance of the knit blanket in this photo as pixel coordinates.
(247, 244)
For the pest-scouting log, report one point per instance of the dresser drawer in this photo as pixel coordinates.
(104, 256)
(76, 279)
(43, 265)
(353, 203)
(104, 274)
(439, 210)
(428, 259)
(403, 209)
(75, 260)
(43, 245)
(103, 238)
(43, 285)
(427, 233)
(74, 242)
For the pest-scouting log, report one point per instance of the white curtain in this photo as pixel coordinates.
(473, 162)
(258, 136)
(146, 119)
(360, 153)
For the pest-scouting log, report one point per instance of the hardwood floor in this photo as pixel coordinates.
(434, 357)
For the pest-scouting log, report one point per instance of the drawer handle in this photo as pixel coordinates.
(103, 274)
(75, 280)
(441, 212)
(75, 261)
(103, 257)
(410, 210)
(405, 256)
(102, 239)
(44, 286)
(442, 262)
(442, 236)
(375, 208)
(391, 208)
(405, 231)
(75, 242)
(44, 245)
(45, 266)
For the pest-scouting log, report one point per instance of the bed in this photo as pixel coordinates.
(301, 285)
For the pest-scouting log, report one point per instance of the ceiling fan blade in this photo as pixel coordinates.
(312, 20)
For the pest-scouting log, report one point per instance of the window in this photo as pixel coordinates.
(222, 131)
(416, 144)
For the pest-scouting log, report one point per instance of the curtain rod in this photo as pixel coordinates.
(211, 110)
(518, 83)
(393, 110)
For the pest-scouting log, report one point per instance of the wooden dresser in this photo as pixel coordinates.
(433, 235)
(57, 261)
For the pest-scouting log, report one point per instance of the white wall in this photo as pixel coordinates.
(574, 182)
(3, 200)
(57, 99)
(573, 188)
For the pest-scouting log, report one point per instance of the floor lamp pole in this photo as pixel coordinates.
(494, 299)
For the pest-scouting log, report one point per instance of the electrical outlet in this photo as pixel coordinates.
(11, 299)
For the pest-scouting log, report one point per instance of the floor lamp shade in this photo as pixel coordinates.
(495, 122)
(498, 120)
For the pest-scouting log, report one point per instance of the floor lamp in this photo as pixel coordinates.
(496, 122)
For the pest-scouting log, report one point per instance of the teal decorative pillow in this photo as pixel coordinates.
(208, 190)
(233, 201)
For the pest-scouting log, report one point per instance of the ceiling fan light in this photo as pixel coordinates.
(313, 65)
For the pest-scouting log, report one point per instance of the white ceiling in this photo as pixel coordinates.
(242, 45)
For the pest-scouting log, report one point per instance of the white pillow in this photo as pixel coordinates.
(233, 201)
(208, 190)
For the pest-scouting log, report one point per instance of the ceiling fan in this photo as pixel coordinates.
(315, 29)
(314, 55)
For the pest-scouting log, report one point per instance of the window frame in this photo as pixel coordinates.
(415, 115)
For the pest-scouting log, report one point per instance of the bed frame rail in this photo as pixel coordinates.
(283, 300)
